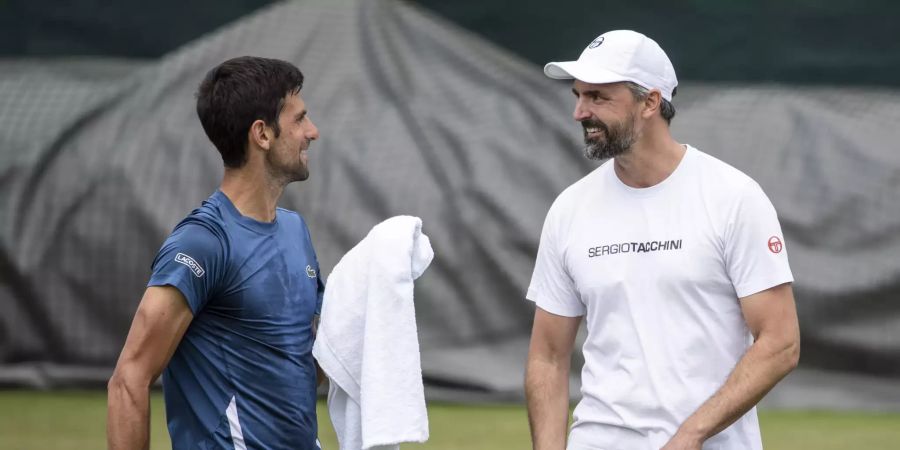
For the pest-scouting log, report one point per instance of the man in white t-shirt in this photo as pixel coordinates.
(676, 260)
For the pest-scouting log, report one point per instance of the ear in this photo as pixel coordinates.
(651, 104)
(260, 135)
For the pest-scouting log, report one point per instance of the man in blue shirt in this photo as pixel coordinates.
(228, 315)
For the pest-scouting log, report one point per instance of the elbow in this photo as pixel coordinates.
(782, 354)
(540, 369)
(795, 354)
(116, 382)
(127, 381)
(117, 385)
(790, 355)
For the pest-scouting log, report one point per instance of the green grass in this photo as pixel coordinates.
(829, 430)
(76, 420)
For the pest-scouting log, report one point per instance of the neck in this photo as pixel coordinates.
(252, 193)
(649, 161)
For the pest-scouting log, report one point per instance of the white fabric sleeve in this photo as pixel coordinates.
(552, 288)
(755, 251)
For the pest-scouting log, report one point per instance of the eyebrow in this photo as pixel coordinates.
(590, 93)
(300, 115)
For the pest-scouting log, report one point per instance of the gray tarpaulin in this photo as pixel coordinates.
(100, 159)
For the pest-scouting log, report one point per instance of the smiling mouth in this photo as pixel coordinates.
(592, 127)
(594, 133)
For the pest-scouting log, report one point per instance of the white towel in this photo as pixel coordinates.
(367, 343)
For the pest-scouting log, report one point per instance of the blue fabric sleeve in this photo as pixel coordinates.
(320, 294)
(192, 260)
(320, 283)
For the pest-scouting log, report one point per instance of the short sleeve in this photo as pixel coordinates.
(191, 260)
(552, 288)
(755, 250)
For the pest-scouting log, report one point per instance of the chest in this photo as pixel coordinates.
(654, 244)
(272, 279)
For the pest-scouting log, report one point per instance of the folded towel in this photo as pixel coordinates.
(367, 343)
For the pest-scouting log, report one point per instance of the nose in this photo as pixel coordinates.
(313, 132)
(581, 113)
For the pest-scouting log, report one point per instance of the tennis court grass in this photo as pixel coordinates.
(76, 420)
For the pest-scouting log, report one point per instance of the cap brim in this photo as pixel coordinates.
(568, 70)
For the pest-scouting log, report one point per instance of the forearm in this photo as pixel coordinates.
(765, 364)
(128, 416)
(547, 394)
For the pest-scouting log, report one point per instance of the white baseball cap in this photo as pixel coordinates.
(620, 55)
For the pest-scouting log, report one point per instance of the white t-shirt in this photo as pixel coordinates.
(658, 272)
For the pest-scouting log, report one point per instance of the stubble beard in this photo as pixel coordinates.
(286, 173)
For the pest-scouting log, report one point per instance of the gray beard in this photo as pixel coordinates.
(618, 140)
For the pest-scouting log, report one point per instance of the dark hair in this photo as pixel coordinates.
(666, 108)
(238, 92)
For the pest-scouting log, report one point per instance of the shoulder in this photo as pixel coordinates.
(200, 237)
(195, 242)
(203, 229)
(731, 195)
(722, 179)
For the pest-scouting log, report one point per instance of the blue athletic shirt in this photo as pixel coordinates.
(243, 375)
